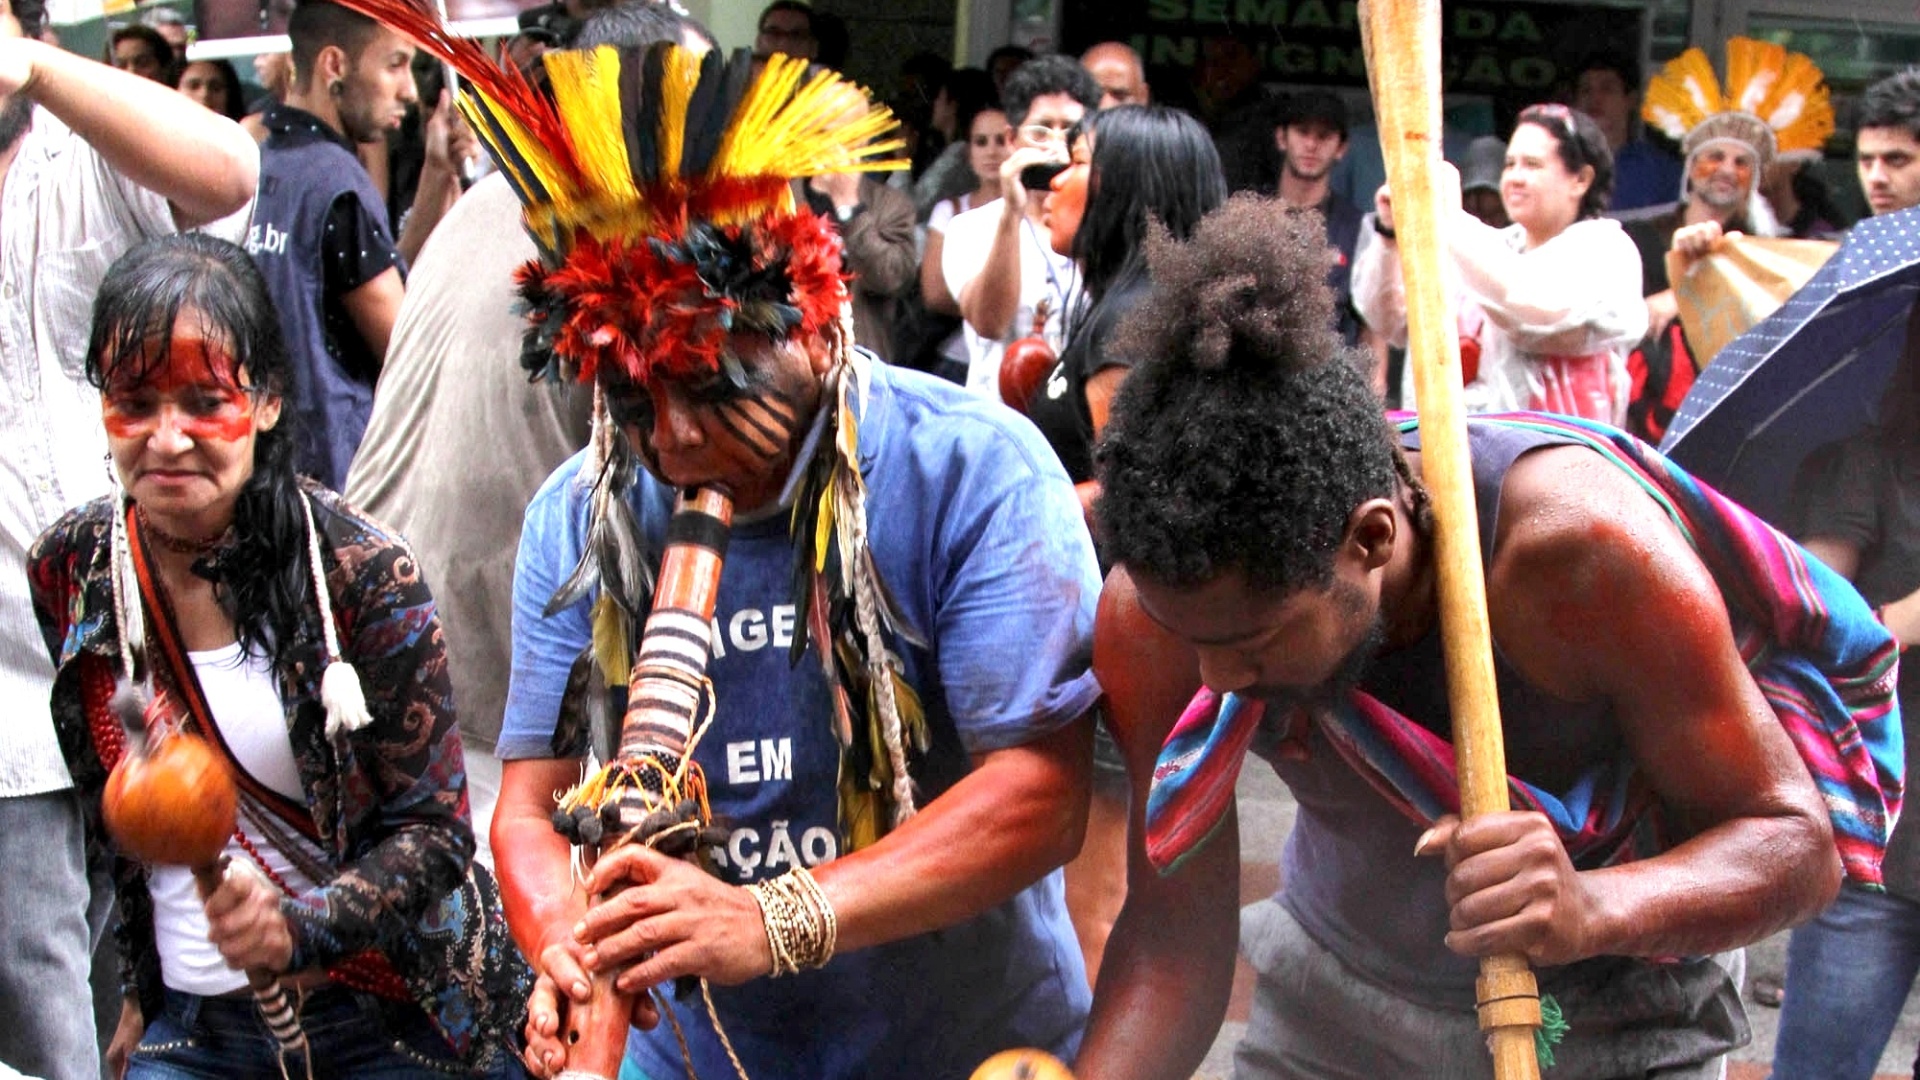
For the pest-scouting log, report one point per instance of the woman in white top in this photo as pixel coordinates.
(348, 874)
(989, 141)
(1551, 304)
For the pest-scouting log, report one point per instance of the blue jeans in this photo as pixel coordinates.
(352, 1036)
(1848, 974)
(46, 1006)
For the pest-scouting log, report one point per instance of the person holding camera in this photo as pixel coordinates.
(997, 261)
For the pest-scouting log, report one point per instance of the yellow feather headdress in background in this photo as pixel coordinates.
(1774, 100)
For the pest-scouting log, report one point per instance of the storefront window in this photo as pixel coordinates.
(1852, 54)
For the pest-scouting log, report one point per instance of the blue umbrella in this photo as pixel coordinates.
(1810, 374)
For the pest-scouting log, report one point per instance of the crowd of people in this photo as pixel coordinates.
(1052, 441)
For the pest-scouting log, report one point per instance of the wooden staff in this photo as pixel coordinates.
(1402, 43)
(665, 693)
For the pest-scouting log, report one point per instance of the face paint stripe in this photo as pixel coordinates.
(753, 442)
(773, 432)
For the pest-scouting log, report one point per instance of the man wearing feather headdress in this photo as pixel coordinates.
(1775, 106)
(900, 647)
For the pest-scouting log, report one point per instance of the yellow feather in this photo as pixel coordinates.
(1799, 109)
(859, 812)
(586, 91)
(823, 524)
(1684, 93)
(682, 74)
(1753, 70)
(523, 146)
(784, 129)
(913, 716)
(611, 650)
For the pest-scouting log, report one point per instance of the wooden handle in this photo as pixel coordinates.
(1402, 43)
(276, 1008)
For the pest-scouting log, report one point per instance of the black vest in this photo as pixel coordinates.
(303, 169)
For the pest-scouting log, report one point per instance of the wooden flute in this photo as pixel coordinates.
(654, 787)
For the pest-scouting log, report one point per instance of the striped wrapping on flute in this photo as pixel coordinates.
(668, 680)
(1825, 664)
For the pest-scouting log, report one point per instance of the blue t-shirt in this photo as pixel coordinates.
(979, 537)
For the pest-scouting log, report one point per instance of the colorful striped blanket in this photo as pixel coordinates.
(1824, 662)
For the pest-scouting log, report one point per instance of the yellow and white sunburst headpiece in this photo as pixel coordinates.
(1775, 101)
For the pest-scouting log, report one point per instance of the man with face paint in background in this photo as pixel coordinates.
(886, 525)
(92, 161)
(1727, 152)
(1274, 541)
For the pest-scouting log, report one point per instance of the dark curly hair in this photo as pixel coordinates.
(1245, 436)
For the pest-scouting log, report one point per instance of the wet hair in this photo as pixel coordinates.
(263, 582)
(831, 40)
(319, 24)
(1245, 436)
(1019, 53)
(636, 24)
(1893, 102)
(161, 48)
(1054, 74)
(795, 6)
(1150, 163)
(1580, 143)
(972, 93)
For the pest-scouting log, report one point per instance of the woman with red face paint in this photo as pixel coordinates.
(256, 610)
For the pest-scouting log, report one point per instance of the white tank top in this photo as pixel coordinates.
(244, 698)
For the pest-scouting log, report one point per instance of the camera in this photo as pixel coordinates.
(1040, 177)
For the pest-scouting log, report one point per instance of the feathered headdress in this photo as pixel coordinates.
(657, 186)
(1775, 101)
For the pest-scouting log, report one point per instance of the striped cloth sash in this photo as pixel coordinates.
(1825, 664)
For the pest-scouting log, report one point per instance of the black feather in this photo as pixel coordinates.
(712, 108)
(640, 79)
(520, 175)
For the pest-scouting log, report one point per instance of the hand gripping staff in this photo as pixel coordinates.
(1402, 42)
(653, 792)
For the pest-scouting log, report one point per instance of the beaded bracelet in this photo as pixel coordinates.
(801, 928)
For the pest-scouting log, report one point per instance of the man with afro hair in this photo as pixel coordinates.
(1273, 541)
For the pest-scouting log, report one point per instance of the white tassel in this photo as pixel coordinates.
(340, 692)
(345, 703)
